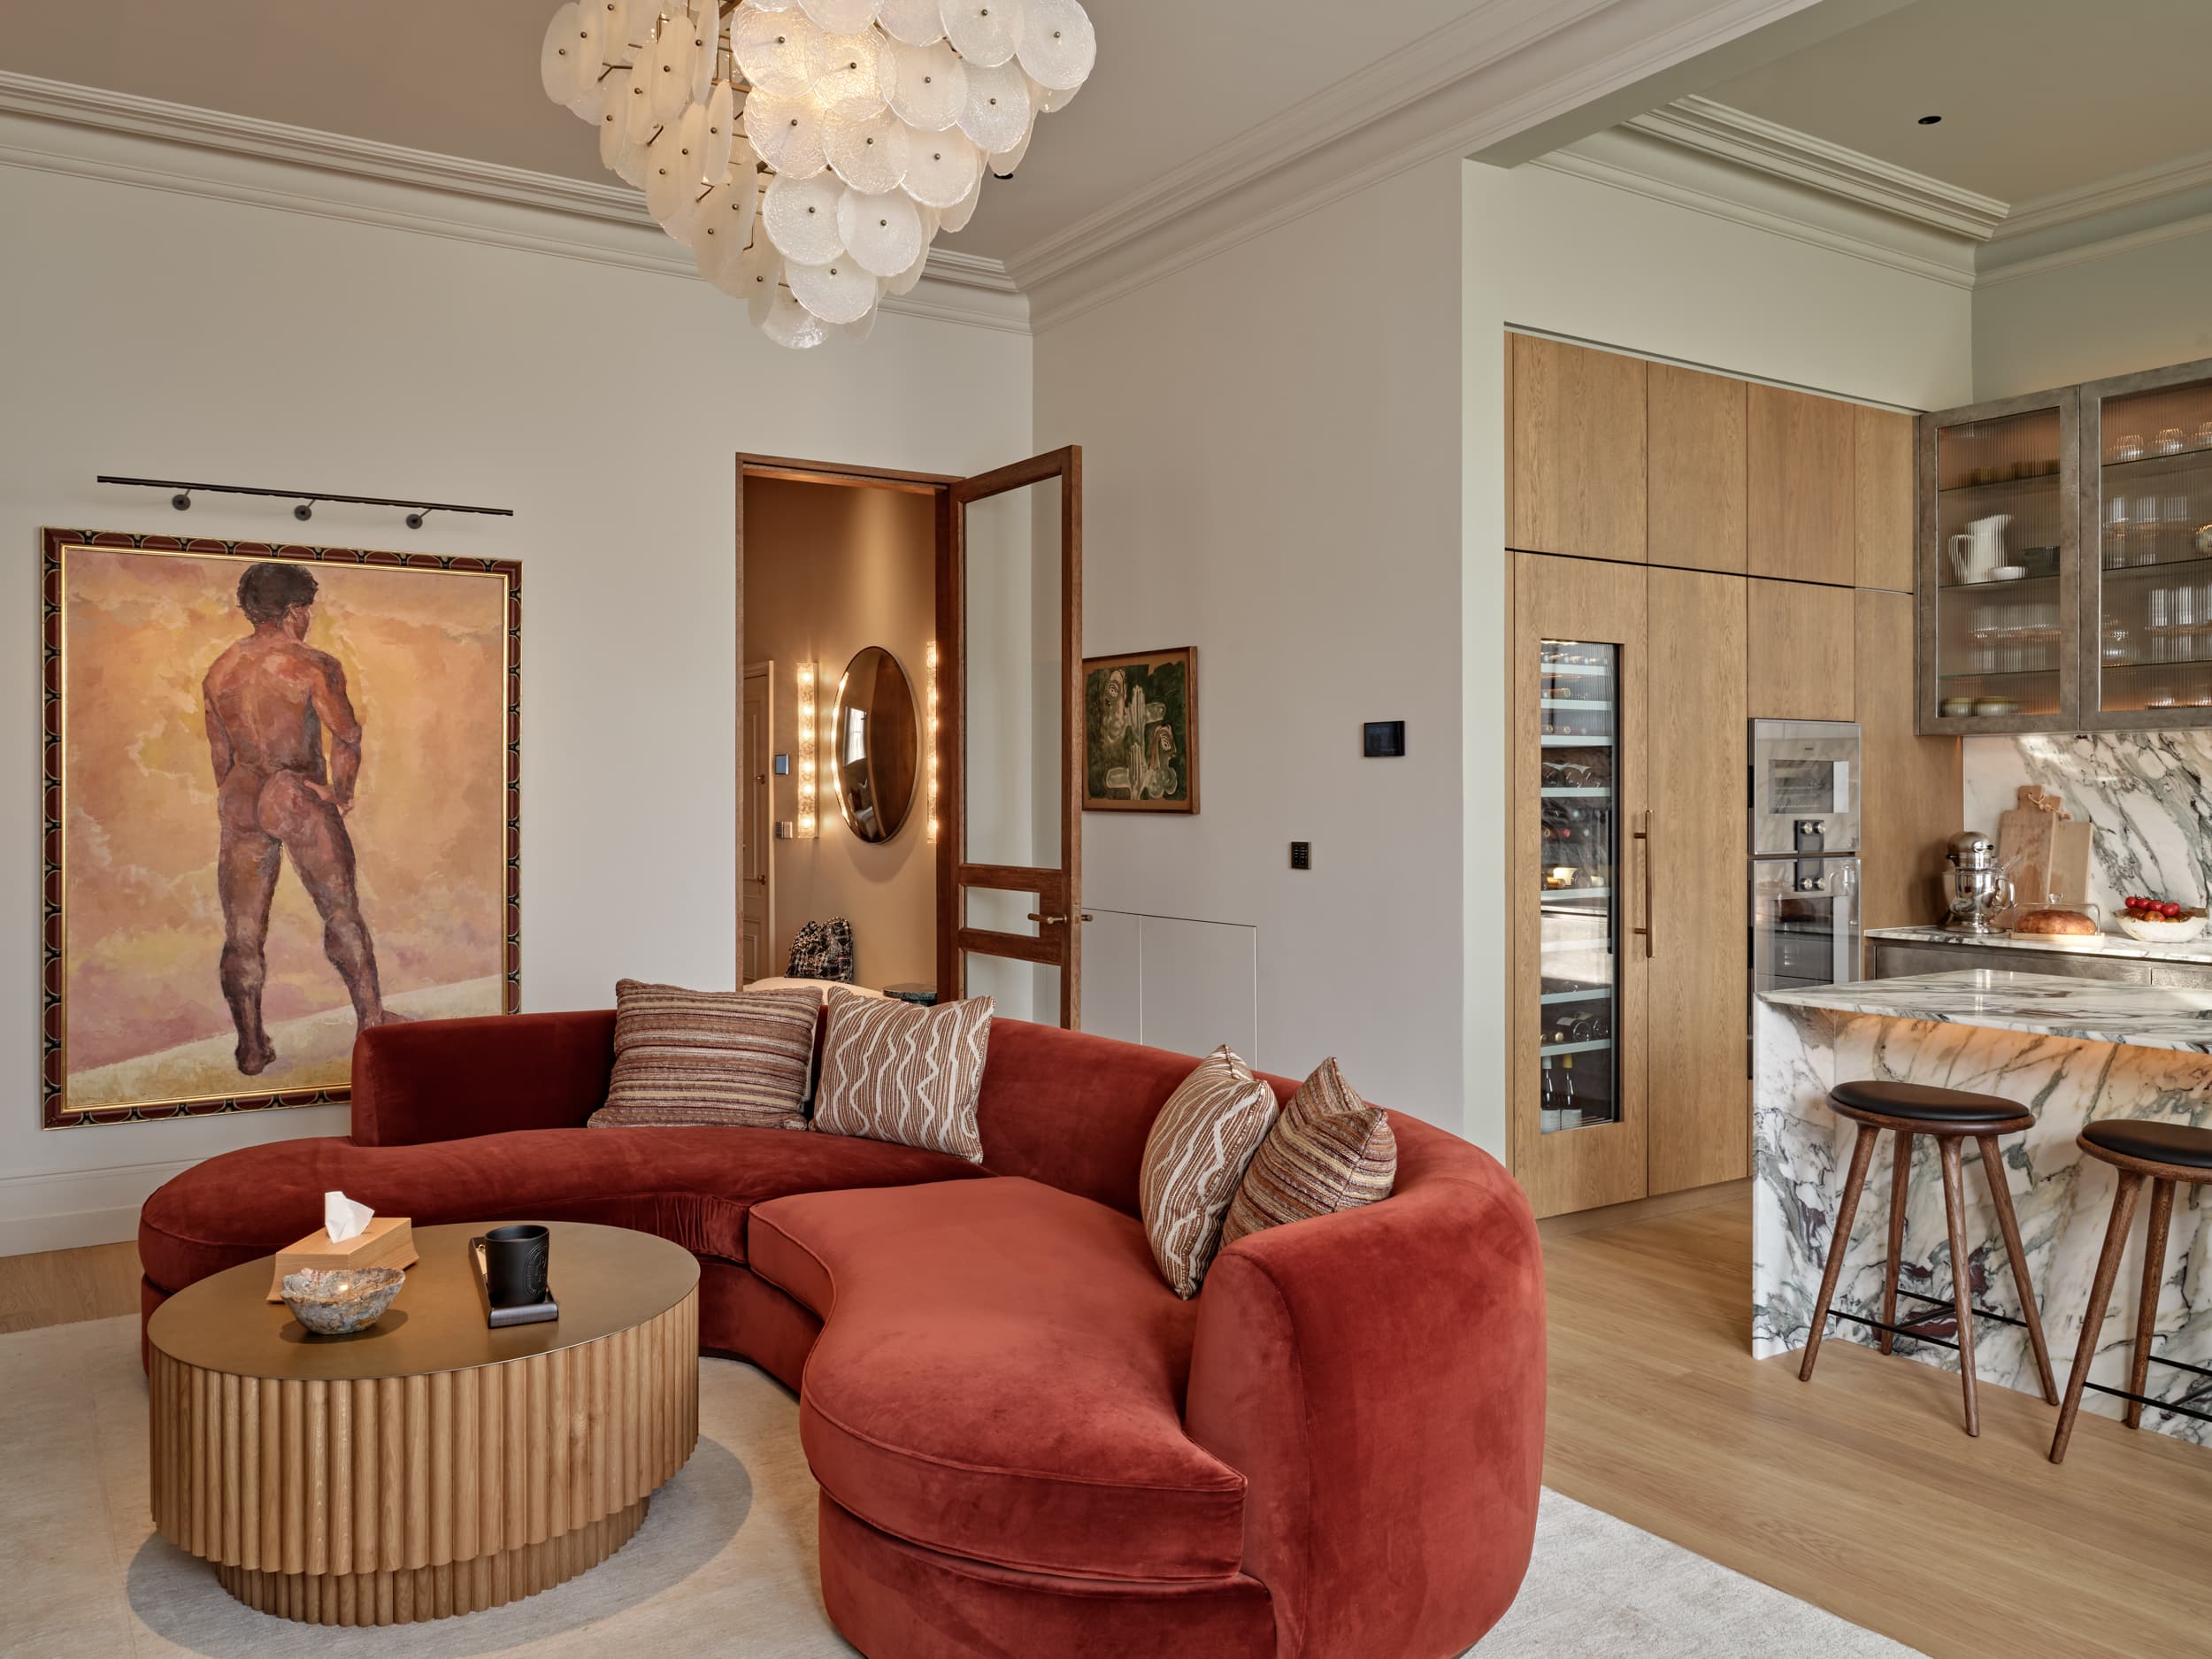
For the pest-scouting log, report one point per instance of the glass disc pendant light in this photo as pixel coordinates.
(809, 152)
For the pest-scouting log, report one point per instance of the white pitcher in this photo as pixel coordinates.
(1984, 548)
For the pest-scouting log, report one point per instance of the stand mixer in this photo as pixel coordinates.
(1980, 886)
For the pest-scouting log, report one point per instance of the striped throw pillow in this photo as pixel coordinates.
(1329, 1151)
(911, 1076)
(1193, 1160)
(735, 1059)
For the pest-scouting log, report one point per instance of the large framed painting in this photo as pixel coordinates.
(280, 790)
(1140, 731)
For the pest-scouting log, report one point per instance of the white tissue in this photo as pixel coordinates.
(344, 1219)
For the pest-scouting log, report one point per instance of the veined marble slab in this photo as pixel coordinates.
(2088, 1010)
(1801, 1151)
(2115, 944)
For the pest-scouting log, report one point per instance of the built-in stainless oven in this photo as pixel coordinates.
(1804, 788)
(1804, 854)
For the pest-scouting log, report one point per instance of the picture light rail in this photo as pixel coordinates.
(307, 499)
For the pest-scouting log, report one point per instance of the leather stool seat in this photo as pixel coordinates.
(2152, 1142)
(1939, 1109)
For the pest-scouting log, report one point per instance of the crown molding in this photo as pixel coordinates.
(88, 132)
(1632, 158)
(2145, 187)
(1750, 141)
(1500, 68)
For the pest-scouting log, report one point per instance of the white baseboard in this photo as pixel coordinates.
(69, 1209)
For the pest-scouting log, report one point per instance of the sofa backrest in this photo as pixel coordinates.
(1073, 1110)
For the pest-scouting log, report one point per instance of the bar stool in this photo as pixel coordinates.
(2163, 1154)
(1953, 1116)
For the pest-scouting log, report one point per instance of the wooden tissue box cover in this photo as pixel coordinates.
(387, 1241)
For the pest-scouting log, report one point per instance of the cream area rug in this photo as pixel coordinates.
(723, 1565)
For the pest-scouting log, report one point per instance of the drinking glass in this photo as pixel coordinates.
(2169, 441)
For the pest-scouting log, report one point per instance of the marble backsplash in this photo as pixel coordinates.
(2148, 795)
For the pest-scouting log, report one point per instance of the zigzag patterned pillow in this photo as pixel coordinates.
(1195, 1159)
(891, 1072)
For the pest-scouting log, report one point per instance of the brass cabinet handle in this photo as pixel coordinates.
(1645, 932)
(1056, 921)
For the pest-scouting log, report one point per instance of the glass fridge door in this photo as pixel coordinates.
(2152, 654)
(1579, 992)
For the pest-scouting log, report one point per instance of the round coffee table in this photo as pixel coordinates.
(428, 1465)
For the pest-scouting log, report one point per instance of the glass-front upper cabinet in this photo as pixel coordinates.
(2146, 466)
(1578, 906)
(2000, 533)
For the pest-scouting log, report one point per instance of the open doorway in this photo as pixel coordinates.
(910, 726)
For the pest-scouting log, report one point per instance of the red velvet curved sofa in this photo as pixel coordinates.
(1026, 1444)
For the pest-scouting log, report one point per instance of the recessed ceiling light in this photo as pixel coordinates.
(1930, 120)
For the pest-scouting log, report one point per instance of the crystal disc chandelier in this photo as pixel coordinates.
(809, 151)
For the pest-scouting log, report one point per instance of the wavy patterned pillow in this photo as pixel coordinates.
(735, 1059)
(1330, 1150)
(893, 1071)
(1195, 1159)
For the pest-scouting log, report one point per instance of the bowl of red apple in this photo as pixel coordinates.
(2160, 921)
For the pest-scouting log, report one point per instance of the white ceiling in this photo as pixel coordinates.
(1175, 79)
(2035, 96)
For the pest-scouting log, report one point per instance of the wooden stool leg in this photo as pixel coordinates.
(1961, 1272)
(2116, 1237)
(2008, 1223)
(2146, 1306)
(1899, 1181)
(1862, 1155)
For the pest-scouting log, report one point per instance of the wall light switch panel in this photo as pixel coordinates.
(1383, 739)
(1301, 854)
(785, 830)
(783, 766)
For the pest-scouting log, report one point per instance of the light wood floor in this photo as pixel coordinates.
(63, 1286)
(1857, 1491)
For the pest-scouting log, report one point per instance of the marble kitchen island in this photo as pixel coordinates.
(2068, 1051)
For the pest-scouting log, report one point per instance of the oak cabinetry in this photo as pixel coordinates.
(1698, 1105)
(1696, 485)
(1801, 651)
(1882, 515)
(1804, 493)
(1910, 787)
(1577, 450)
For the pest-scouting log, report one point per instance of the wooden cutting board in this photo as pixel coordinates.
(2045, 852)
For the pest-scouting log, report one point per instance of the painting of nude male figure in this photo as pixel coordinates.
(281, 809)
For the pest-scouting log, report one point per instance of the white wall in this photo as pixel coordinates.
(151, 332)
(1566, 255)
(2142, 308)
(1270, 453)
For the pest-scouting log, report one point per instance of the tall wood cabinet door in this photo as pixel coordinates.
(1697, 1005)
(1882, 497)
(1576, 452)
(1577, 1026)
(1909, 786)
(1802, 651)
(1695, 498)
(1804, 493)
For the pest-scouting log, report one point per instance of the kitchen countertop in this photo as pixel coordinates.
(2088, 1010)
(2198, 949)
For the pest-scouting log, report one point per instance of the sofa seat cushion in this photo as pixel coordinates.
(694, 1186)
(1000, 1377)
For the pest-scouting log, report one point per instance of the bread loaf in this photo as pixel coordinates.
(2064, 923)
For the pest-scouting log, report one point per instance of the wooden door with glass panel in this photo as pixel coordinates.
(1010, 734)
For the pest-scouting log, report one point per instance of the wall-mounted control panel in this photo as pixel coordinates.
(1301, 854)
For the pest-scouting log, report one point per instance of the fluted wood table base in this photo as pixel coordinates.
(394, 1498)
(413, 1594)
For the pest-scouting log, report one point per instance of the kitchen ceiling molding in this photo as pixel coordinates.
(1501, 68)
(1630, 157)
(88, 132)
(1764, 146)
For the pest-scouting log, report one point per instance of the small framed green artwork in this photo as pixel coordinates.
(1140, 731)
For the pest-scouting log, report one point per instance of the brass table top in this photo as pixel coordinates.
(605, 1278)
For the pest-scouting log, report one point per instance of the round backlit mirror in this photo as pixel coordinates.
(878, 745)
